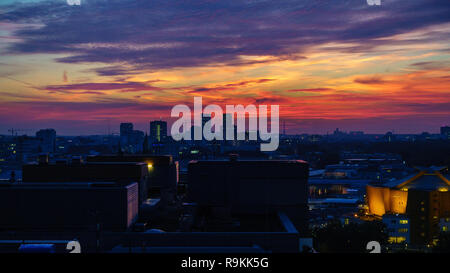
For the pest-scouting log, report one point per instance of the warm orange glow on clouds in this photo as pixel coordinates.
(399, 79)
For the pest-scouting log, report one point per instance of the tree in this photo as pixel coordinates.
(351, 238)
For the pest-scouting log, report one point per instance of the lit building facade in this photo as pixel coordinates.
(398, 228)
(423, 198)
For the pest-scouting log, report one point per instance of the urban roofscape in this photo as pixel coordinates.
(217, 135)
(137, 192)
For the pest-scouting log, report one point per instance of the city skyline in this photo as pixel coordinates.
(115, 130)
(84, 69)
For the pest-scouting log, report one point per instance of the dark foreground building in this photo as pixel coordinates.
(121, 173)
(67, 206)
(235, 206)
(229, 206)
(162, 170)
(251, 188)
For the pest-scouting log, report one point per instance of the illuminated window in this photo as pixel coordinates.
(444, 228)
(403, 222)
(402, 230)
(158, 132)
(396, 240)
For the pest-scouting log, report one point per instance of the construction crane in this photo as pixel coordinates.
(14, 131)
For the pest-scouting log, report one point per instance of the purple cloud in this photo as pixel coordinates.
(91, 87)
(370, 80)
(135, 36)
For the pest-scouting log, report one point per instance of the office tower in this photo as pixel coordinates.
(131, 140)
(47, 138)
(445, 132)
(158, 131)
(126, 129)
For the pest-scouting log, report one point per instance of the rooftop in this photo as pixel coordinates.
(432, 178)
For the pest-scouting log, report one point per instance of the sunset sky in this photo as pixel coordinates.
(327, 63)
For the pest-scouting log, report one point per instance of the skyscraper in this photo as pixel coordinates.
(445, 132)
(47, 138)
(131, 140)
(158, 131)
(126, 128)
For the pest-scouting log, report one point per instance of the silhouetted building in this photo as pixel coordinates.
(68, 207)
(389, 137)
(47, 139)
(126, 129)
(158, 131)
(162, 170)
(26, 148)
(122, 173)
(131, 141)
(445, 132)
(251, 187)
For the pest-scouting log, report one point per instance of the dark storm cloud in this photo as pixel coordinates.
(134, 36)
